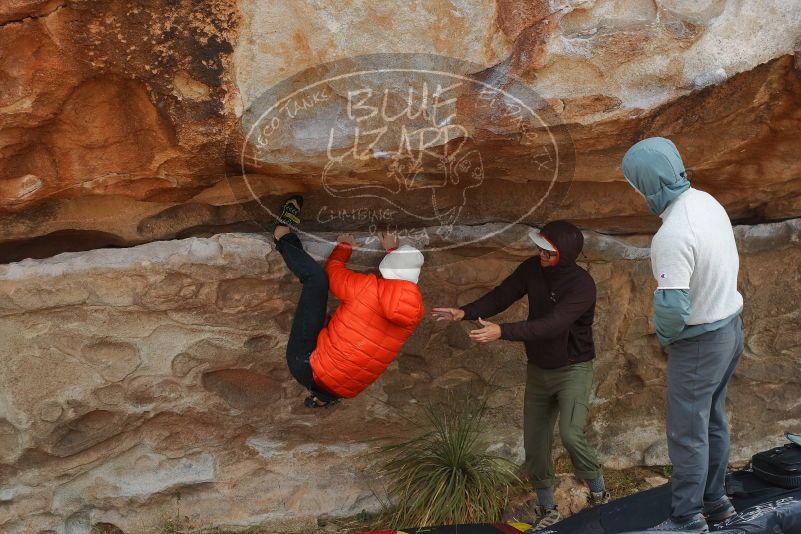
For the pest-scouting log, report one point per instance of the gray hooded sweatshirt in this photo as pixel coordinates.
(693, 255)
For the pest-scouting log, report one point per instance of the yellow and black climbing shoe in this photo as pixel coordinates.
(290, 211)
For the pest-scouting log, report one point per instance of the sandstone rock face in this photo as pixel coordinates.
(110, 112)
(143, 379)
(116, 119)
(138, 380)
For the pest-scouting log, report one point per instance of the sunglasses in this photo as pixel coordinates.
(548, 253)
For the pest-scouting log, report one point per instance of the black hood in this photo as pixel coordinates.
(567, 239)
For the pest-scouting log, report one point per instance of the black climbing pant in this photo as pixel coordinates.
(309, 315)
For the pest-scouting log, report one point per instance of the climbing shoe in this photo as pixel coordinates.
(313, 402)
(719, 510)
(694, 525)
(290, 211)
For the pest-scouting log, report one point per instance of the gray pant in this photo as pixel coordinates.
(698, 371)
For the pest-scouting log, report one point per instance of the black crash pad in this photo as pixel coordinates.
(761, 508)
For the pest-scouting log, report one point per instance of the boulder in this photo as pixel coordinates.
(118, 405)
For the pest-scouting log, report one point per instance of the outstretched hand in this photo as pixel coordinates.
(347, 238)
(447, 314)
(489, 332)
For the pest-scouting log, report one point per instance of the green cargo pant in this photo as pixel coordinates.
(564, 391)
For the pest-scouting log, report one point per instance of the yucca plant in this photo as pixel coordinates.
(446, 476)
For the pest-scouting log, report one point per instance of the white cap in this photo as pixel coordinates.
(403, 263)
(540, 240)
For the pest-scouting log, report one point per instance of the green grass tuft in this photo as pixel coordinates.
(446, 476)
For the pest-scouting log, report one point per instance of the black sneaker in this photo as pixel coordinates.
(290, 211)
(694, 525)
(719, 510)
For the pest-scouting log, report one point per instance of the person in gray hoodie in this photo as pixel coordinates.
(697, 318)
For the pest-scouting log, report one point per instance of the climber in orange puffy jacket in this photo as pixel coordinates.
(376, 316)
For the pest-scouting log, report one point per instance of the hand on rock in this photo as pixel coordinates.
(347, 238)
(388, 240)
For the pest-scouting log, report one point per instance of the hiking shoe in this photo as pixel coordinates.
(694, 525)
(719, 510)
(290, 211)
(546, 518)
(599, 497)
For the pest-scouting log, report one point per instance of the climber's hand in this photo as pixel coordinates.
(347, 238)
(388, 240)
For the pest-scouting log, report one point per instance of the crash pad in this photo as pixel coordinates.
(756, 502)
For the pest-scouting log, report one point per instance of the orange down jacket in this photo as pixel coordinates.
(375, 318)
